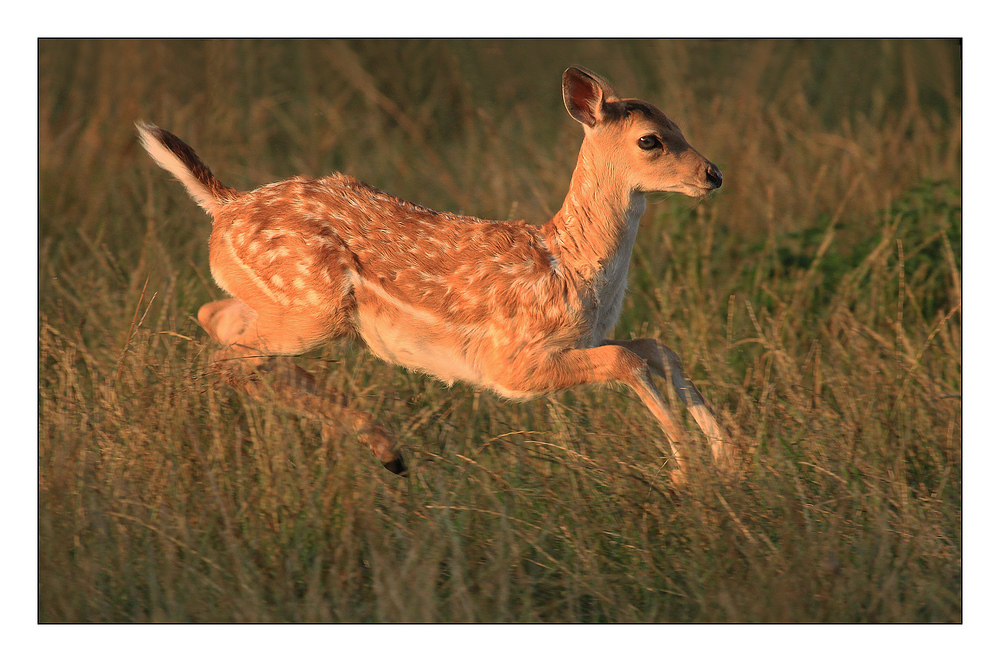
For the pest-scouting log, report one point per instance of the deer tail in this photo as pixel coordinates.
(174, 156)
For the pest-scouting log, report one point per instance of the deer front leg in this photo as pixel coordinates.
(608, 363)
(667, 364)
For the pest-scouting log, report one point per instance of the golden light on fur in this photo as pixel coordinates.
(511, 307)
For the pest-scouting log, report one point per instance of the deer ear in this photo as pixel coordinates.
(585, 94)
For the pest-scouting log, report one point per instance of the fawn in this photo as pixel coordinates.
(519, 309)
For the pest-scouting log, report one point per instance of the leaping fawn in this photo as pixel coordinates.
(519, 309)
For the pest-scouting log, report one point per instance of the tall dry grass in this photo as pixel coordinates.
(816, 300)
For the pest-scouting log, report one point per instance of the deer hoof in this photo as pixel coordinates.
(396, 466)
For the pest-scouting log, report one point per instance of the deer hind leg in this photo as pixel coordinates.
(667, 364)
(251, 362)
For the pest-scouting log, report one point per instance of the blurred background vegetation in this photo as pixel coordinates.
(816, 300)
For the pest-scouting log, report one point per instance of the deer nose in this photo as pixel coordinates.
(713, 175)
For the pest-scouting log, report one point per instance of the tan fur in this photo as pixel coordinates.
(519, 309)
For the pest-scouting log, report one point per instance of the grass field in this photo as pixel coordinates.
(816, 300)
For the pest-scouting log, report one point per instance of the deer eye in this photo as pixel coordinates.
(649, 142)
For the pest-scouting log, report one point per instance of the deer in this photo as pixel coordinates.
(518, 309)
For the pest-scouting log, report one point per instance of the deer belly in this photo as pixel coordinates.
(413, 337)
(412, 343)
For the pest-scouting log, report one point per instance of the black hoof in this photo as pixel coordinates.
(396, 466)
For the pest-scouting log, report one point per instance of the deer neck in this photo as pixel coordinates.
(592, 234)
